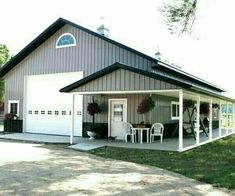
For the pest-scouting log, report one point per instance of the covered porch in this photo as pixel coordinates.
(177, 137)
(193, 114)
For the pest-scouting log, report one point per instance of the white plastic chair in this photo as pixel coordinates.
(156, 130)
(127, 127)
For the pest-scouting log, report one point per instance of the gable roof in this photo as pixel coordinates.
(117, 66)
(62, 22)
(149, 74)
(58, 24)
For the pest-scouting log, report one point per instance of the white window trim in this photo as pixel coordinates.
(18, 106)
(174, 117)
(68, 45)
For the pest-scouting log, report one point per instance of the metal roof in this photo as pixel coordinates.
(184, 75)
(154, 75)
(48, 33)
(116, 66)
(62, 22)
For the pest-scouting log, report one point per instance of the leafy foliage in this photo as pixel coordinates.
(179, 15)
(93, 108)
(205, 109)
(4, 54)
(9, 116)
(146, 105)
(216, 106)
(4, 57)
(189, 103)
(94, 128)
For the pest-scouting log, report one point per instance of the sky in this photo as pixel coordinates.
(206, 53)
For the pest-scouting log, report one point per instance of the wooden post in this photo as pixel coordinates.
(72, 120)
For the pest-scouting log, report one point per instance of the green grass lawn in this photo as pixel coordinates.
(213, 163)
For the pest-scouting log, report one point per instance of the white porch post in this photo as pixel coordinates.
(198, 120)
(72, 120)
(210, 122)
(220, 108)
(180, 120)
(227, 120)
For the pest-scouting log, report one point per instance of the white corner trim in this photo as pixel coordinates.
(64, 46)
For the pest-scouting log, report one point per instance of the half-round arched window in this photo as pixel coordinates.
(66, 40)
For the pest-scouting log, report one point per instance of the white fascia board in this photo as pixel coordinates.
(126, 92)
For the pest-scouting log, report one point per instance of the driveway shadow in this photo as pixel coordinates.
(55, 170)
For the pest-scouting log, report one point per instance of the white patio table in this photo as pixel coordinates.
(140, 130)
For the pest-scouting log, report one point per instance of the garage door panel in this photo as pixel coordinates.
(49, 111)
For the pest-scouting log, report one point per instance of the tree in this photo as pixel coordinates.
(4, 57)
(179, 15)
(4, 54)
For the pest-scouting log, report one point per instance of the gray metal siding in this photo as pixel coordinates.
(89, 55)
(133, 81)
(161, 113)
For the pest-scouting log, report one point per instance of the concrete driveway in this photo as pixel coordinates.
(38, 169)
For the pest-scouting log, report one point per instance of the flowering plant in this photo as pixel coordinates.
(9, 116)
(188, 103)
(93, 108)
(146, 105)
(216, 106)
(205, 109)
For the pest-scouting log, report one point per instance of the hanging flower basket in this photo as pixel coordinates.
(189, 103)
(216, 106)
(146, 105)
(205, 109)
(93, 108)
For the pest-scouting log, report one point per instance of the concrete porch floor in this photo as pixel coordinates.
(168, 144)
(84, 144)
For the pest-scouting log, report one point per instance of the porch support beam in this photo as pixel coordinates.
(220, 108)
(210, 121)
(180, 120)
(72, 120)
(227, 120)
(198, 120)
(125, 92)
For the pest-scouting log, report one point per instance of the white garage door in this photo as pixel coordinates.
(47, 110)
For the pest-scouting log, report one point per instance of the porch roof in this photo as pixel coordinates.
(112, 71)
(116, 66)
